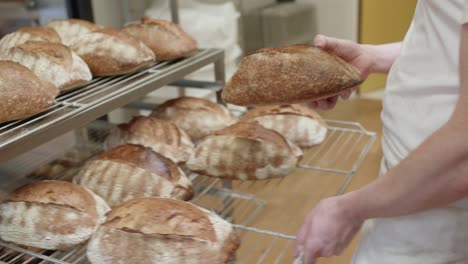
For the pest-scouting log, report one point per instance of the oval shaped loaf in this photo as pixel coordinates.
(161, 136)
(166, 39)
(17, 38)
(51, 215)
(162, 231)
(245, 151)
(299, 124)
(133, 171)
(112, 52)
(53, 62)
(289, 74)
(71, 30)
(46, 33)
(22, 92)
(198, 117)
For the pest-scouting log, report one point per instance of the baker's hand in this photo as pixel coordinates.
(327, 230)
(351, 52)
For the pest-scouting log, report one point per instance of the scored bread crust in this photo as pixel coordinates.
(133, 171)
(198, 117)
(161, 136)
(245, 151)
(46, 33)
(22, 92)
(17, 38)
(162, 231)
(112, 52)
(289, 74)
(71, 30)
(299, 124)
(166, 39)
(51, 215)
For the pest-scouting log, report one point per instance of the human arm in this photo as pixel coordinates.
(433, 175)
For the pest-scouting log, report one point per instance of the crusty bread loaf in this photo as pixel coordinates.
(289, 74)
(22, 92)
(71, 30)
(112, 52)
(161, 136)
(158, 230)
(299, 124)
(245, 151)
(198, 117)
(166, 39)
(17, 38)
(44, 32)
(51, 215)
(53, 62)
(133, 171)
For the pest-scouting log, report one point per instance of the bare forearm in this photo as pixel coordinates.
(385, 55)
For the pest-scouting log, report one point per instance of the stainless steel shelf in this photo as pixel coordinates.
(76, 108)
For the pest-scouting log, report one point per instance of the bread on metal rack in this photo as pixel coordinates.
(245, 151)
(198, 117)
(299, 124)
(133, 171)
(112, 52)
(161, 136)
(158, 230)
(72, 30)
(289, 74)
(22, 92)
(166, 39)
(53, 62)
(51, 215)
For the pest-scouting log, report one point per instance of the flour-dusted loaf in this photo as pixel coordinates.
(72, 30)
(159, 230)
(44, 32)
(198, 117)
(166, 39)
(161, 136)
(16, 38)
(53, 62)
(22, 92)
(245, 151)
(112, 52)
(51, 215)
(133, 171)
(289, 74)
(299, 124)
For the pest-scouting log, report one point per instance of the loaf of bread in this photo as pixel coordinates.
(111, 52)
(51, 215)
(22, 92)
(46, 33)
(198, 117)
(299, 124)
(133, 171)
(161, 136)
(289, 74)
(245, 151)
(28, 33)
(159, 230)
(166, 39)
(71, 30)
(53, 62)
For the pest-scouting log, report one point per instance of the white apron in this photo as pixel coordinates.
(421, 92)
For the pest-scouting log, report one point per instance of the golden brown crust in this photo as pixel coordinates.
(190, 103)
(289, 74)
(166, 39)
(56, 52)
(22, 92)
(44, 32)
(292, 109)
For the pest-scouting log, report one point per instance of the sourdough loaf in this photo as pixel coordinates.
(53, 62)
(22, 92)
(198, 117)
(71, 30)
(17, 38)
(161, 136)
(245, 151)
(158, 230)
(166, 39)
(133, 171)
(50, 215)
(112, 52)
(46, 33)
(289, 74)
(299, 124)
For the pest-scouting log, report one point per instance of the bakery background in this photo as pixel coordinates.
(327, 169)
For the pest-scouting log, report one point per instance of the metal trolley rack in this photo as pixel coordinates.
(243, 203)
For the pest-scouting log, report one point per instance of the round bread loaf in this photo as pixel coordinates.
(17, 38)
(158, 230)
(51, 215)
(71, 30)
(44, 32)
